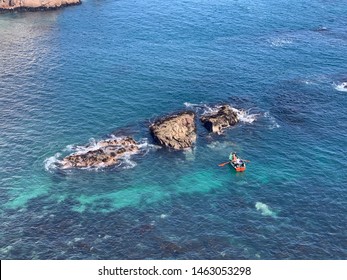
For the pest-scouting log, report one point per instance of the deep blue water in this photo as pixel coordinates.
(85, 72)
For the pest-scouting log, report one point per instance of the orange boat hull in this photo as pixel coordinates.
(239, 168)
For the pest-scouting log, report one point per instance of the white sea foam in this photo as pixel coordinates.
(273, 123)
(76, 239)
(188, 104)
(221, 146)
(202, 108)
(6, 249)
(194, 106)
(280, 42)
(146, 147)
(341, 87)
(69, 148)
(189, 154)
(244, 116)
(127, 163)
(308, 82)
(51, 163)
(264, 209)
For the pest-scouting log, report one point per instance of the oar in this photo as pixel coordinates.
(224, 163)
(245, 160)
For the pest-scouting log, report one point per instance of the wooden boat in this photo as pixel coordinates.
(238, 167)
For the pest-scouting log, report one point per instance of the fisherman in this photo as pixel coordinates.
(234, 158)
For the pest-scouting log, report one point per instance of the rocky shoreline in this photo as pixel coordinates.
(35, 5)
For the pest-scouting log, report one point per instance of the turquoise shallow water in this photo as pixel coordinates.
(82, 73)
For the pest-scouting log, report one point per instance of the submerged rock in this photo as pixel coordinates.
(105, 153)
(175, 131)
(34, 5)
(217, 121)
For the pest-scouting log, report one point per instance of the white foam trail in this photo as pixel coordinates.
(127, 163)
(341, 87)
(221, 146)
(192, 105)
(52, 162)
(308, 82)
(280, 42)
(188, 105)
(91, 146)
(144, 145)
(206, 109)
(189, 154)
(264, 209)
(273, 122)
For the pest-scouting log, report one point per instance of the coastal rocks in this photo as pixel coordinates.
(33, 5)
(217, 121)
(105, 153)
(176, 131)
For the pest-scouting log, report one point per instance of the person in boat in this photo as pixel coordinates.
(235, 159)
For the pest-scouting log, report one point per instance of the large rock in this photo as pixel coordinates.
(105, 153)
(175, 131)
(32, 5)
(217, 121)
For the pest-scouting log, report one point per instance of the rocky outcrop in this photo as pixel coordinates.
(217, 121)
(32, 5)
(105, 153)
(176, 131)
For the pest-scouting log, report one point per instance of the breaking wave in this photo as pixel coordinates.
(51, 163)
(243, 115)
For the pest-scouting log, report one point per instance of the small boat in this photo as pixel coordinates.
(238, 167)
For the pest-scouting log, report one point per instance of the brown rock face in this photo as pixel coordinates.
(35, 4)
(107, 154)
(176, 132)
(223, 118)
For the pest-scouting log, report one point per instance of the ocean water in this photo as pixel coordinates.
(77, 75)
